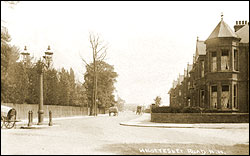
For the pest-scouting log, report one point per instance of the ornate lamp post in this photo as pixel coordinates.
(25, 54)
(48, 59)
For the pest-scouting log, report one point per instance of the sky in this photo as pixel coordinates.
(149, 43)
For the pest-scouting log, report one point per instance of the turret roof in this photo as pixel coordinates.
(222, 30)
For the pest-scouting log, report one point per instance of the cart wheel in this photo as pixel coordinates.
(11, 122)
(2, 121)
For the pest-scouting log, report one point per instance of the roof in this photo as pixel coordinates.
(222, 30)
(185, 72)
(200, 49)
(174, 83)
(243, 33)
(180, 79)
(189, 67)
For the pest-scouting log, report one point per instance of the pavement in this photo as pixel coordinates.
(23, 124)
(142, 121)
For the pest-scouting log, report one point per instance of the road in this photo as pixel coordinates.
(104, 135)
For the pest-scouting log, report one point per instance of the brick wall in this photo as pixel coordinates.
(200, 118)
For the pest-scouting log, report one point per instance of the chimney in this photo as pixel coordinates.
(239, 25)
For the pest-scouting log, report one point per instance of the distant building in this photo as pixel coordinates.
(219, 75)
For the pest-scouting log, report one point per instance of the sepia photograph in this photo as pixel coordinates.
(124, 77)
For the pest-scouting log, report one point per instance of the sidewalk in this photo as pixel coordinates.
(144, 121)
(23, 124)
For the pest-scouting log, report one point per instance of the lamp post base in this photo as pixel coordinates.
(40, 117)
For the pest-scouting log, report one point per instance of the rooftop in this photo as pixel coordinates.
(243, 33)
(222, 30)
(200, 49)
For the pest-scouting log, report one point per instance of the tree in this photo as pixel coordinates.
(120, 104)
(9, 56)
(63, 88)
(157, 101)
(99, 51)
(106, 77)
(72, 87)
(51, 87)
(81, 96)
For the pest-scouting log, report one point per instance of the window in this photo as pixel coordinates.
(225, 97)
(235, 59)
(225, 60)
(202, 68)
(235, 104)
(214, 62)
(214, 96)
(202, 98)
(189, 85)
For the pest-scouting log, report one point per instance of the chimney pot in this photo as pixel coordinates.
(242, 22)
(245, 22)
(239, 22)
(236, 22)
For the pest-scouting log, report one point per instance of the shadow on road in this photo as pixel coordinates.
(175, 149)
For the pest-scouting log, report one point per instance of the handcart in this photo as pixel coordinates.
(8, 117)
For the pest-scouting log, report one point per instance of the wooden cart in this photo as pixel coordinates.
(8, 117)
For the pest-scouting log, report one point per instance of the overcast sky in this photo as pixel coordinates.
(150, 43)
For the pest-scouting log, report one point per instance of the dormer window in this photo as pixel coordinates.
(224, 60)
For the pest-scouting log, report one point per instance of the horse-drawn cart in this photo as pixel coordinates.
(8, 117)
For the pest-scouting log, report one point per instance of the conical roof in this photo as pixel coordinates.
(222, 30)
(243, 33)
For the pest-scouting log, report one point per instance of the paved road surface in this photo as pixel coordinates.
(104, 135)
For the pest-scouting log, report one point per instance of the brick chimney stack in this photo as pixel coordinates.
(239, 25)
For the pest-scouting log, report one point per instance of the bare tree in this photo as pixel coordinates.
(99, 52)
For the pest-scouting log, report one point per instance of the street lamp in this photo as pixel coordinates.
(48, 59)
(26, 56)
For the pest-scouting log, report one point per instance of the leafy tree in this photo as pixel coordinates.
(72, 87)
(63, 87)
(106, 77)
(81, 96)
(9, 56)
(51, 84)
(33, 87)
(157, 101)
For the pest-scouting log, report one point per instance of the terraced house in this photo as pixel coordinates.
(219, 76)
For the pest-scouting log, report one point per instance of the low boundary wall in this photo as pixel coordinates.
(200, 117)
(57, 111)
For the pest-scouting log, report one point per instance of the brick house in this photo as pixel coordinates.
(219, 78)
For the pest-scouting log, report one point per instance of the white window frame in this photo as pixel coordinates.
(225, 60)
(213, 97)
(225, 100)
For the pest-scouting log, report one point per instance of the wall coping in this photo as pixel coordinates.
(195, 114)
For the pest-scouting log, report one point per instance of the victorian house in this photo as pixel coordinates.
(219, 78)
